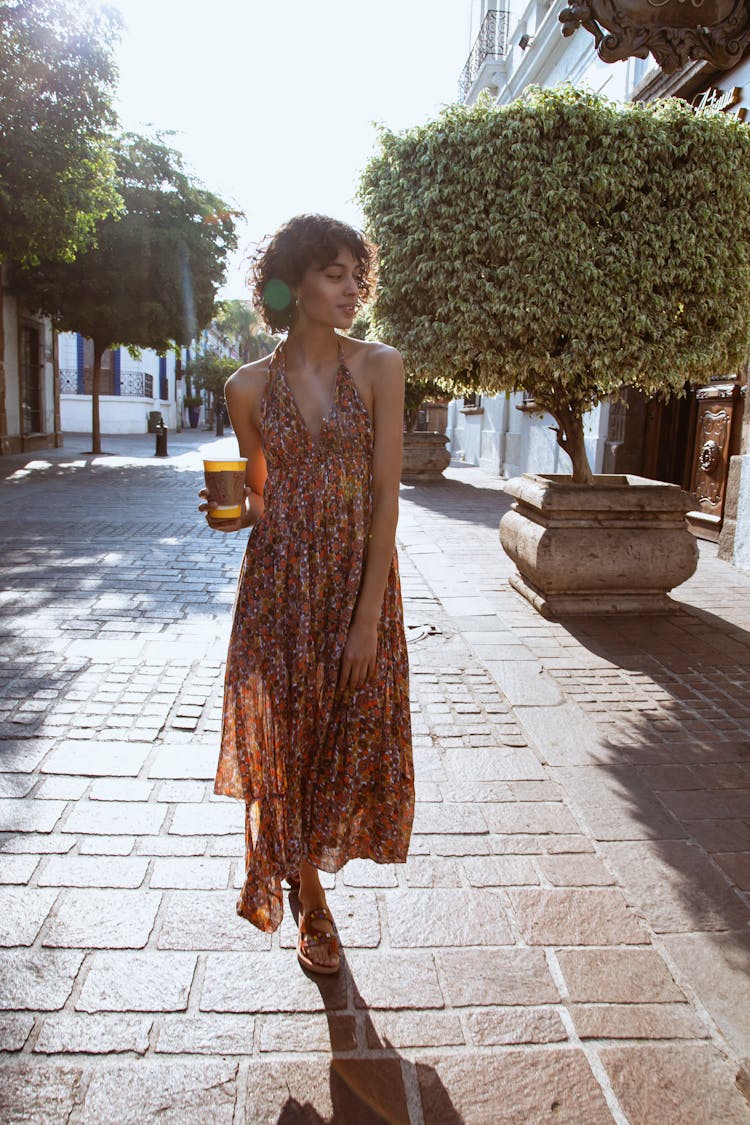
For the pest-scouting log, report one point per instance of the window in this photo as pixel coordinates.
(107, 376)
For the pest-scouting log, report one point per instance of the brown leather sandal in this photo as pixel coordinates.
(308, 936)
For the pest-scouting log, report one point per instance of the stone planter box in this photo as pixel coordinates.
(425, 456)
(617, 546)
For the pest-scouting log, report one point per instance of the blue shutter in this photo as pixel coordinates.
(116, 372)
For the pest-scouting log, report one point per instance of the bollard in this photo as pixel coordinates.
(161, 440)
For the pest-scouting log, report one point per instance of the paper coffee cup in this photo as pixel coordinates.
(225, 483)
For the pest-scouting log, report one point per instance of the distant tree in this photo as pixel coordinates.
(57, 76)
(152, 279)
(241, 327)
(209, 372)
(565, 245)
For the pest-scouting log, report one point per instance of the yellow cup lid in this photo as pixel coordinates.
(236, 465)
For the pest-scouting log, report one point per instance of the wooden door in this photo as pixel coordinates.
(716, 435)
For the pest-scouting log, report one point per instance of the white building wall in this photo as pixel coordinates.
(124, 413)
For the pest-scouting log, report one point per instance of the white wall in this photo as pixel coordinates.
(120, 414)
(508, 441)
(741, 557)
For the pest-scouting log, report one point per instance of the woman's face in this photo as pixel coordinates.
(331, 295)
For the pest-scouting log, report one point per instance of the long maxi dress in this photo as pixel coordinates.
(326, 775)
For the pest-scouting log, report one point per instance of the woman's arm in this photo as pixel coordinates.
(240, 395)
(388, 401)
(242, 390)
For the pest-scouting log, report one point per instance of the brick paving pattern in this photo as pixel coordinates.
(569, 940)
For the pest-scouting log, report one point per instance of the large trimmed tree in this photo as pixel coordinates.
(564, 245)
(151, 281)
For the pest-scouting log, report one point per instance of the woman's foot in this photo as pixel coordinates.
(315, 922)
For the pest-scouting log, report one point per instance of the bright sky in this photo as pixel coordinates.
(273, 103)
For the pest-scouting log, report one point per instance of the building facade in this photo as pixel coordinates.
(130, 388)
(706, 436)
(29, 391)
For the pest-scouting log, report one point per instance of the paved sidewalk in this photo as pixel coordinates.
(569, 940)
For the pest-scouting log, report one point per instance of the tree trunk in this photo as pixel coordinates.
(96, 435)
(570, 438)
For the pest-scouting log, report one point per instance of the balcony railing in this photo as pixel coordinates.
(133, 384)
(490, 43)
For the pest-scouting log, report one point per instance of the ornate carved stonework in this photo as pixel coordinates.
(674, 31)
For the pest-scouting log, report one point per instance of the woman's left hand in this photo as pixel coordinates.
(358, 660)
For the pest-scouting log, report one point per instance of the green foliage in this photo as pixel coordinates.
(361, 327)
(57, 75)
(152, 279)
(241, 327)
(565, 245)
(210, 372)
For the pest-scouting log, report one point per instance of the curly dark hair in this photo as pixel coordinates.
(282, 260)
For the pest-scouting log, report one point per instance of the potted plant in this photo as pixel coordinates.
(424, 455)
(570, 247)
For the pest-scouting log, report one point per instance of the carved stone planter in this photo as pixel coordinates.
(425, 456)
(617, 546)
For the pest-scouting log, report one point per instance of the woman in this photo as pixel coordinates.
(316, 735)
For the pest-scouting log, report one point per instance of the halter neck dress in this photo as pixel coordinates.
(326, 776)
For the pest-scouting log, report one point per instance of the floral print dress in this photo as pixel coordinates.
(326, 776)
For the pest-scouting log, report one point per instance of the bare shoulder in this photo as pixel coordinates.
(375, 361)
(249, 377)
(244, 387)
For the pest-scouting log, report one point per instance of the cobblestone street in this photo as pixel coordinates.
(570, 938)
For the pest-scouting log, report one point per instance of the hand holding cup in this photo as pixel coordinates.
(226, 493)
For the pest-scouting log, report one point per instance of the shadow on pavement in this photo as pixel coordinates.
(370, 1089)
(671, 806)
(466, 501)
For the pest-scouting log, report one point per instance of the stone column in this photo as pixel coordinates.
(58, 438)
(734, 540)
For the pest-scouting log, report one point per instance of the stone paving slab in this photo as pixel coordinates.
(572, 921)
